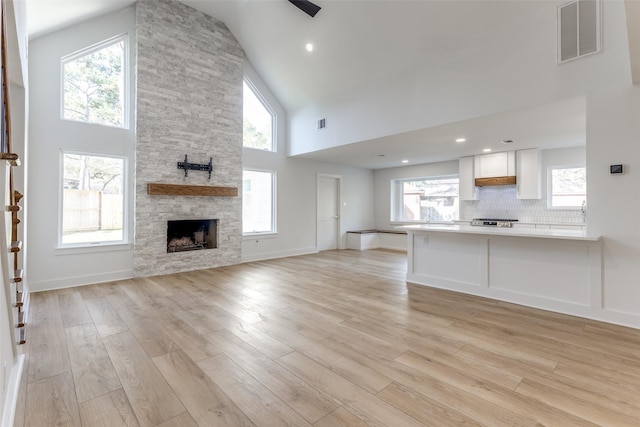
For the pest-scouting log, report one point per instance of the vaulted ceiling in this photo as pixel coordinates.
(358, 45)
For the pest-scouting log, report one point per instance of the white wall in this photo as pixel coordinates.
(296, 193)
(296, 206)
(613, 136)
(562, 157)
(48, 266)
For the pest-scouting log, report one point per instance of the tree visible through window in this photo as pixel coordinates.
(568, 186)
(257, 121)
(94, 85)
(93, 199)
(427, 199)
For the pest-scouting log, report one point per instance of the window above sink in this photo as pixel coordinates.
(567, 187)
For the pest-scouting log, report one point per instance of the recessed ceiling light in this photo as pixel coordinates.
(405, 161)
(309, 47)
(461, 140)
(486, 150)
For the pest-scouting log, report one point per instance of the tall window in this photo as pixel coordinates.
(92, 199)
(258, 120)
(258, 202)
(567, 187)
(94, 84)
(426, 199)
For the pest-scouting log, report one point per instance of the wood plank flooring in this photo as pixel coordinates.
(332, 339)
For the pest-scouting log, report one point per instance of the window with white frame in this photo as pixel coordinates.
(94, 84)
(425, 199)
(258, 202)
(258, 120)
(567, 187)
(93, 202)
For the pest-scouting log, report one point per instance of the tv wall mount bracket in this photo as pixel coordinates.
(207, 167)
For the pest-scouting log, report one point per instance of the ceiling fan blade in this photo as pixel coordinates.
(306, 6)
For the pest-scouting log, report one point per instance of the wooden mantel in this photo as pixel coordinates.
(159, 189)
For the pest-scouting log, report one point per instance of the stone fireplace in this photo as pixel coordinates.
(186, 107)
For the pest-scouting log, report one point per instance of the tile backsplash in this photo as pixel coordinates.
(501, 202)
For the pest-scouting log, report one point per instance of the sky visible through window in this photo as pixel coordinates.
(257, 122)
(94, 86)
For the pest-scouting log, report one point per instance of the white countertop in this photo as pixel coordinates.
(567, 234)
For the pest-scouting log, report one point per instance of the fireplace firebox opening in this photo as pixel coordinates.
(192, 235)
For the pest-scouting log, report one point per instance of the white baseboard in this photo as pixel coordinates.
(394, 248)
(11, 398)
(629, 320)
(70, 282)
(280, 254)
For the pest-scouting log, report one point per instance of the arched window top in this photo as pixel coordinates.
(94, 84)
(259, 120)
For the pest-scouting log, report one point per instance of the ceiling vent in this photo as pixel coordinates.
(578, 29)
(322, 123)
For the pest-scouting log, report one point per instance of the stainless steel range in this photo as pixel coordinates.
(493, 222)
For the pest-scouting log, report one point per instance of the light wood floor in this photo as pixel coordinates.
(334, 339)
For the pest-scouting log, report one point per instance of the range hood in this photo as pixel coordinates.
(498, 180)
(495, 169)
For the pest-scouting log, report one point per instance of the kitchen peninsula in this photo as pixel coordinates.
(553, 269)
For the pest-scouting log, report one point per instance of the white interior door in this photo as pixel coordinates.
(328, 212)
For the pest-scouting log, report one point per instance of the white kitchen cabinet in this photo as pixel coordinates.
(549, 269)
(528, 174)
(495, 165)
(468, 190)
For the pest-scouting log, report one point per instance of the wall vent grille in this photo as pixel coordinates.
(322, 123)
(578, 29)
